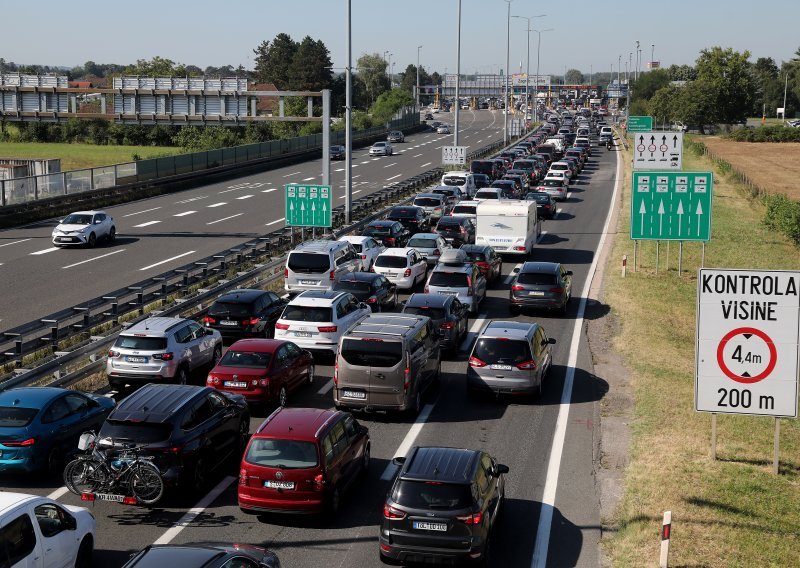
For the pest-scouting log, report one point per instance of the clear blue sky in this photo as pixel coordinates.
(586, 34)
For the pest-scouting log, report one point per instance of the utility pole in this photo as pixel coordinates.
(528, 66)
(785, 84)
(458, 78)
(418, 48)
(508, 64)
(348, 106)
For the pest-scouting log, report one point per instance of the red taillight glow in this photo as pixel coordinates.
(163, 356)
(372, 300)
(519, 248)
(327, 328)
(282, 326)
(527, 366)
(406, 378)
(363, 257)
(209, 319)
(22, 444)
(390, 512)
(474, 519)
(332, 275)
(251, 321)
(446, 325)
(112, 354)
(336, 374)
(242, 477)
(407, 273)
(475, 362)
(87, 496)
(517, 288)
(436, 252)
(286, 273)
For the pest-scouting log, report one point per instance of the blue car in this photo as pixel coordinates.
(40, 426)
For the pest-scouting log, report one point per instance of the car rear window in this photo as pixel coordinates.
(283, 454)
(465, 210)
(389, 261)
(234, 309)
(141, 343)
(452, 180)
(552, 183)
(352, 286)
(433, 313)
(422, 243)
(427, 202)
(378, 230)
(308, 262)
(449, 226)
(136, 432)
(449, 279)
(250, 359)
(493, 350)
(432, 495)
(404, 213)
(16, 417)
(357, 246)
(307, 313)
(486, 195)
(476, 256)
(544, 278)
(372, 352)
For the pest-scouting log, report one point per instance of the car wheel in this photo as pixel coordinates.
(199, 475)
(334, 502)
(310, 374)
(85, 551)
(112, 235)
(181, 377)
(92, 241)
(216, 356)
(282, 396)
(365, 461)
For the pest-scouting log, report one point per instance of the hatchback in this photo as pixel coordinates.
(447, 313)
(435, 205)
(510, 189)
(486, 259)
(338, 152)
(429, 246)
(404, 267)
(481, 180)
(245, 313)
(263, 371)
(556, 187)
(545, 204)
(388, 233)
(373, 289)
(366, 247)
(454, 276)
(545, 285)
(301, 460)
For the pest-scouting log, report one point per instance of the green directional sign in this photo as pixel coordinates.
(671, 206)
(308, 205)
(640, 123)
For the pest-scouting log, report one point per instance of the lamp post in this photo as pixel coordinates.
(458, 78)
(652, 55)
(528, 66)
(508, 64)
(348, 162)
(418, 48)
(538, 49)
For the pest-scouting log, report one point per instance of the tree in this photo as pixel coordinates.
(273, 61)
(436, 79)
(372, 70)
(648, 83)
(311, 67)
(662, 104)
(574, 77)
(389, 103)
(681, 73)
(727, 73)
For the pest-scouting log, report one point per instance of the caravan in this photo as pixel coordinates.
(508, 226)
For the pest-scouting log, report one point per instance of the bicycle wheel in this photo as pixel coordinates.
(83, 476)
(146, 483)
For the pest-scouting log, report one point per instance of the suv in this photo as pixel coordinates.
(434, 205)
(448, 314)
(457, 229)
(190, 431)
(541, 285)
(245, 313)
(429, 246)
(404, 267)
(161, 349)
(486, 259)
(387, 233)
(84, 228)
(412, 218)
(454, 276)
(396, 136)
(316, 320)
(463, 181)
(367, 247)
(509, 357)
(386, 362)
(443, 505)
(301, 460)
(316, 265)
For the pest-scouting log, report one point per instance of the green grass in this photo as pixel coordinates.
(80, 156)
(728, 512)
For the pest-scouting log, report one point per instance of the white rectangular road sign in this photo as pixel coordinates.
(657, 150)
(748, 330)
(454, 155)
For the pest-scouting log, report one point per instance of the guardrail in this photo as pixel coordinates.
(59, 340)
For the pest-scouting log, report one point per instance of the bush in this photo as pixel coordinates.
(768, 133)
(783, 215)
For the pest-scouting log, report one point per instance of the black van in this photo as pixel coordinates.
(488, 167)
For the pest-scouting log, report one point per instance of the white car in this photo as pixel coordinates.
(403, 267)
(366, 247)
(555, 186)
(443, 129)
(381, 149)
(562, 167)
(84, 228)
(315, 320)
(466, 208)
(38, 531)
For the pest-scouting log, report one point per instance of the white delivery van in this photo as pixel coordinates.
(508, 226)
(557, 142)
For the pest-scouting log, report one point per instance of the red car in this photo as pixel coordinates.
(264, 371)
(301, 460)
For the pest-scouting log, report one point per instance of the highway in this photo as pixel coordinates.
(519, 433)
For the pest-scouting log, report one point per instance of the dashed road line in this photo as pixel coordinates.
(184, 214)
(145, 224)
(140, 212)
(92, 259)
(44, 251)
(276, 221)
(224, 219)
(167, 260)
(220, 204)
(15, 242)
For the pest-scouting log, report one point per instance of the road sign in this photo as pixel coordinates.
(308, 205)
(671, 206)
(658, 151)
(454, 155)
(640, 123)
(748, 330)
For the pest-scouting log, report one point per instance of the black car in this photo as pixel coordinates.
(203, 555)
(487, 167)
(481, 180)
(396, 136)
(245, 313)
(337, 152)
(190, 431)
(447, 313)
(369, 287)
(442, 507)
(546, 285)
(411, 217)
(509, 188)
(457, 229)
(388, 233)
(545, 204)
(486, 259)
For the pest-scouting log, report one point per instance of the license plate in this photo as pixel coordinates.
(136, 359)
(64, 239)
(424, 526)
(309, 282)
(228, 322)
(534, 293)
(302, 334)
(354, 394)
(444, 293)
(235, 384)
(279, 484)
(500, 367)
(391, 274)
(109, 497)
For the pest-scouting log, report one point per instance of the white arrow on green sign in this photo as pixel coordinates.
(671, 206)
(308, 205)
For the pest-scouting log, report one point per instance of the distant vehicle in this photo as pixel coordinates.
(396, 136)
(337, 152)
(443, 129)
(366, 247)
(545, 204)
(245, 313)
(678, 126)
(373, 289)
(84, 228)
(381, 149)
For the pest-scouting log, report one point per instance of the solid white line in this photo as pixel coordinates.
(168, 260)
(393, 177)
(146, 224)
(245, 197)
(326, 388)
(269, 190)
(220, 204)
(170, 534)
(224, 219)
(292, 174)
(473, 331)
(15, 242)
(91, 259)
(140, 212)
(44, 251)
(276, 221)
(58, 493)
(417, 156)
(425, 164)
(540, 548)
(184, 214)
(408, 441)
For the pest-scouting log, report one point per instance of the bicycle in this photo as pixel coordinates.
(105, 473)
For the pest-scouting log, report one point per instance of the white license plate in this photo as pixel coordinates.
(423, 526)
(500, 367)
(235, 384)
(136, 359)
(302, 334)
(309, 282)
(534, 293)
(448, 293)
(64, 239)
(354, 394)
(392, 273)
(279, 484)
(228, 322)
(109, 497)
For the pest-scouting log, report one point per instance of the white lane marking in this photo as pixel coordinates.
(58, 493)
(425, 164)
(393, 177)
(191, 199)
(510, 277)
(309, 179)
(417, 156)
(390, 165)
(366, 162)
(540, 548)
(408, 441)
(190, 515)
(168, 260)
(292, 174)
(44, 251)
(220, 204)
(339, 170)
(473, 332)
(354, 177)
(231, 189)
(91, 259)
(184, 214)
(357, 191)
(15, 242)
(245, 197)
(327, 388)
(140, 212)
(145, 224)
(224, 219)
(276, 221)
(269, 190)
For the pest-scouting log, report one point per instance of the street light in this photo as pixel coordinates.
(508, 63)
(418, 48)
(528, 69)
(458, 79)
(538, 48)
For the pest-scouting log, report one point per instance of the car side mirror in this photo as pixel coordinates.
(551, 340)
(209, 331)
(362, 305)
(399, 460)
(501, 469)
(569, 273)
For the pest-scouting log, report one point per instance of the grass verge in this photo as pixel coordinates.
(730, 512)
(80, 156)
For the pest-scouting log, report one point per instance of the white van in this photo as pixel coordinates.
(508, 226)
(462, 180)
(318, 265)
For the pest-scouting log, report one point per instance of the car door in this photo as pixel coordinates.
(541, 352)
(61, 426)
(294, 362)
(201, 345)
(85, 414)
(479, 281)
(59, 543)
(356, 445)
(281, 373)
(566, 279)
(20, 544)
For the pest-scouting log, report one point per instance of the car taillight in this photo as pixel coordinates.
(163, 356)
(462, 230)
(208, 319)
(332, 275)
(242, 477)
(363, 257)
(282, 326)
(251, 321)
(327, 328)
(406, 378)
(319, 481)
(389, 240)
(517, 288)
(212, 380)
(112, 354)
(407, 273)
(469, 286)
(446, 325)
(336, 374)
(286, 273)
(474, 519)
(22, 444)
(372, 300)
(263, 382)
(557, 290)
(390, 512)
(519, 248)
(527, 366)
(475, 362)
(436, 252)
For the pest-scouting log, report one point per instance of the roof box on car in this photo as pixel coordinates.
(453, 257)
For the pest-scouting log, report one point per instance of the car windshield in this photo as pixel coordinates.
(432, 495)
(453, 180)
(449, 279)
(75, 219)
(141, 343)
(390, 261)
(16, 416)
(542, 278)
(307, 313)
(283, 454)
(136, 432)
(308, 262)
(352, 286)
(379, 145)
(372, 352)
(502, 351)
(251, 359)
(433, 313)
(422, 243)
(427, 202)
(232, 309)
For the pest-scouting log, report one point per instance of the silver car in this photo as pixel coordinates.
(429, 246)
(84, 228)
(381, 149)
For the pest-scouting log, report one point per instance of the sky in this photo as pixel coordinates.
(589, 36)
